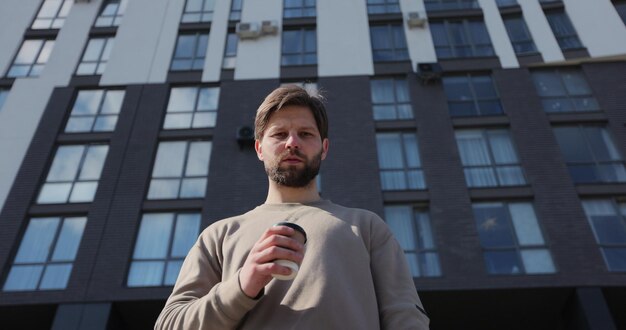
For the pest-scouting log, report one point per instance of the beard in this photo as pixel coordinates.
(290, 175)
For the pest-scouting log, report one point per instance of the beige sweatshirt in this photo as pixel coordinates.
(354, 276)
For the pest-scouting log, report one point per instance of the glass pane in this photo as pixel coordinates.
(198, 159)
(548, 83)
(94, 162)
(69, 239)
(493, 225)
(480, 177)
(163, 189)
(209, 98)
(193, 188)
(393, 180)
(292, 42)
(29, 51)
(502, 147)
(23, 278)
(94, 49)
(411, 259)
(483, 87)
(52, 193)
(182, 99)
(615, 259)
(154, 236)
(201, 48)
(185, 235)
(145, 273)
(105, 124)
(457, 89)
(193, 5)
(558, 105)
(510, 175)
(537, 261)
(411, 150)
(585, 104)
(45, 52)
(425, 231)
(79, 124)
(56, 277)
(169, 160)
(380, 37)
(415, 180)
(601, 144)
(573, 145)
(86, 68)
(390, 154)
(204, 119)
(525, 224)
(502, 262)
(87, 102)
(382, 91)
(429, 263)
(185, 46)
(65, 164)
(112, 102)
(609, 229)
(399, 219)
(37, 240)
(177, 121)
(171, 273)
(575, 83)
(83, 192)
(472, 148)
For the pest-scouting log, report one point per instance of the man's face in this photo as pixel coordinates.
(291, 147)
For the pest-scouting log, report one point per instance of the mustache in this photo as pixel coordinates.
(292, 152)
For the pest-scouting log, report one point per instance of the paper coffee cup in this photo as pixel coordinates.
(299, 235)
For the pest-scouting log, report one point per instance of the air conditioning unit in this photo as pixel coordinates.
(269, 27)
(248, 30)
(413, 19)
(245, 136)
(429, 71)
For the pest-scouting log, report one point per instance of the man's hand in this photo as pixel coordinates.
(275, 243)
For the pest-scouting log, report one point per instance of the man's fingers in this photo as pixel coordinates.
(276, 252)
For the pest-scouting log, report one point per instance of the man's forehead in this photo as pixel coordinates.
(292, 115)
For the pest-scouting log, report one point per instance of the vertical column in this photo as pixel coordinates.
(419, 40)
(497, 33)
(217, 42)
(541, 32)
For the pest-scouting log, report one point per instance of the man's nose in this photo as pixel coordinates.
(293, 142)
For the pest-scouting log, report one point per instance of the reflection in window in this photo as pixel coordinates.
(95, 111)
(111, 13)
(607, 218)
(197, 11)
(3, 96)
(383, 6)
(461, 38)
(298, 8)
(489, 158)
(52, 14)
(563, 30)
(590, 154)
(235, 10)
(162, 244)
(390, 99)
(511, 239)
(96, 56)
(389, 43)
(520, 37)
(437, 5)
(564, 91)
(46, 254)
(412, 228)
(180, 170)
(299, 47)
(230, 52)
(190, 52)
(74, 174)
(31, 58)
(471, 95)
(192, 107)
(399, 161)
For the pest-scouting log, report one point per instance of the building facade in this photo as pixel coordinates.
(489, 134)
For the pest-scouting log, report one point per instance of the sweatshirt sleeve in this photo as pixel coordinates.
(399, 305)
(200, 299)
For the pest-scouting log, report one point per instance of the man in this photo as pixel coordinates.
(353, 274)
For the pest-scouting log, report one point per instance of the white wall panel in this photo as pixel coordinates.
(217, 42)
(419, 39)
(541, 32)
(598, 25)
(497, 32)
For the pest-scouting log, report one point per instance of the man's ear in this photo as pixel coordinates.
(258, 148)
(324, 148)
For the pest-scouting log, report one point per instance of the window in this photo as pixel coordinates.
(74, 174)
(607, 218)
(111, 13)
(413, 230)
(96, 56)
(389, 43)
(511, 239)
(95, 111)
(163, 241)
(192, 107)
(520, 37)
(461, 38)
(299, 47)
(383, 6)
(235, 10)
(563, 30)
(230, 52)
(399, 161)
(390, 99)
(46, 255)
(621, 10)
(190, 52)
(564, 90)
(197, 11)
(4, 93)
(435, 5)
(471, 95)
(298, 8)
(52, 14)
(180, 170)
(31, 58)
(506, 3)
(489, 158)
(590, 154)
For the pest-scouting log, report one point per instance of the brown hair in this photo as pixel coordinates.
(290, 95)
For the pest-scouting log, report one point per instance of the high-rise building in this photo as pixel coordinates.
(489, 134)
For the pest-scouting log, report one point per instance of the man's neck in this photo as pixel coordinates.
(280, 194)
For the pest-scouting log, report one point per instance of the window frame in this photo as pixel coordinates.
(399, 53)
(4, 94)
(197, 42)
(452, 47)
(474, 99)
(388, 7)
(405, 166)
(305, 11)
(103, 57)
(518, 44)
(236, 7)
(60, 15)
(394, 82)
(32, 71)
(202, 13)
(98, 113)
(303, 34)
(559, 72)
(569, 36)
(616, 207)
(195, 110)
(447, 5)
(229, 61)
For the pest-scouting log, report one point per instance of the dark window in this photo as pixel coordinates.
(383, 6)
(390, 99)
(563, 30)
(436, 5)
(506, 3)
(95, 111)
(235, 10)
(471, 95)
(230, 51)
(52, 14)
(564, 90)
(96, 56)
(197, 11)
(511, 239)
(399, 161)
(464, 38)
(299, 47)
(111, 13)
(46, 254)
(607, 218)
(489, 158)
(299, 8)
(520, 36)
(389, 43)
(31, 59)
(163, 241)
(412, 228)
(590, 154)
(190, 52)
(192, 107)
